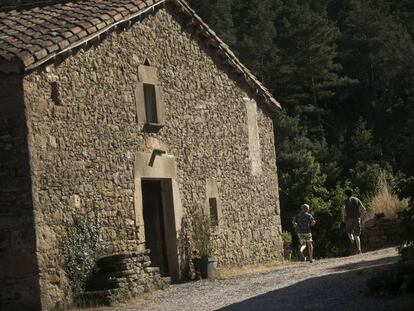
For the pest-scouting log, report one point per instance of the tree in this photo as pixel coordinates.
(300, 178)
(344, 72)
(256, 34)
(219, 15)
(404, 10)
(308, 72)
(377, 50)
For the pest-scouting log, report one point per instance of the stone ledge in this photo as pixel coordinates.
(121, 276)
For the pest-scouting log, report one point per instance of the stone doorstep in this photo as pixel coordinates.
(152, 270)
(121, 256)
(122, 262)
(124, 275)
(114, 268)
(134, 260)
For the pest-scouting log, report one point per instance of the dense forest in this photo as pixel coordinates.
(343, 71)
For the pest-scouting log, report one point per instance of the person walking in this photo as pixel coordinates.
(303, 223)
(351, 216)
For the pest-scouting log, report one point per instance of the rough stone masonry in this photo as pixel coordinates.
(71, 141)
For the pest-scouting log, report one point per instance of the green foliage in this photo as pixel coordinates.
(365, 176)
(201, 233)
(286, 238)
(308, 72)
(256, 33)
(79, 247)
(344, 72)
(330, 238)
(220, 17)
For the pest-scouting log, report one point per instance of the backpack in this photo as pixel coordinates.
(352, 208)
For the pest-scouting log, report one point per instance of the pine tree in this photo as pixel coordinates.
(378, 51)
(256, 34)
(219, 16)
(300, 177)
(308, 74)
(404, 10)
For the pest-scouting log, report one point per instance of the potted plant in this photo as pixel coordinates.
(287, 245)
(204, 263)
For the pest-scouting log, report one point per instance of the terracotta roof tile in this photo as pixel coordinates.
(26, 57)
(82, 34)
(32, 35)
(92, 30)
(117, 17)
(53, 48)
(67, 34)
(32, 48)
(63, 44)
(41, 54)
(100, 25)
(73, 39)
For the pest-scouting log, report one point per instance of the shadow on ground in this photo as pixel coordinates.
(367, 264)
(339, 292)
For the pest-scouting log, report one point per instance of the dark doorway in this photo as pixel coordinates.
(154, 224)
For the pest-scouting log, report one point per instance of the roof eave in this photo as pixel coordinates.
(25, 62)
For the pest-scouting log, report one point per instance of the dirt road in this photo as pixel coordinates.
(332, 284)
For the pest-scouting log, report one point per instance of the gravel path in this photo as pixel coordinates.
(331, 284)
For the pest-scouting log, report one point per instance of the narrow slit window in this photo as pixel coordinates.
(55, 94)
(213, 211)
(149, 99)
(150, 103)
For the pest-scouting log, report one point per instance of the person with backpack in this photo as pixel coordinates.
(351, 216)
(303, 223)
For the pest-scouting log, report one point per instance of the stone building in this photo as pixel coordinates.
(136, 109)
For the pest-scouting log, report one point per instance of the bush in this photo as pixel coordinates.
(330, 239)
(287, 238)
(201, 233)
(384, 201)
(79, 247)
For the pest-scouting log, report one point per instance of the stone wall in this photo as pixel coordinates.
(19, 286)
(381, 232)
(83, 143)
(123, 275)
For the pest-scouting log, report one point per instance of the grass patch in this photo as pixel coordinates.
(384, 201)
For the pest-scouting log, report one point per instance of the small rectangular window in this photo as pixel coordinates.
(149, 99)
(150, 103)
(213, 211)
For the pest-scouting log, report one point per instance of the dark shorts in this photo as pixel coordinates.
(353, 226)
